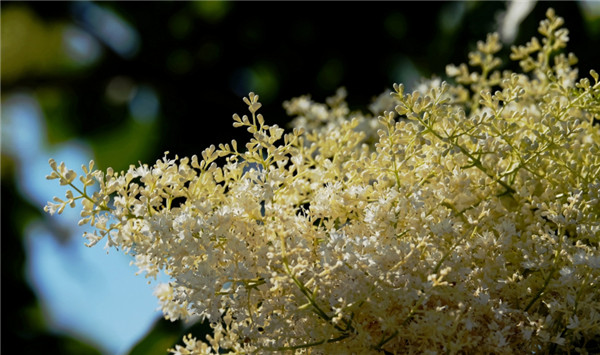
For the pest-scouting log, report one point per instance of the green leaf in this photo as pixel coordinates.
(162, 337)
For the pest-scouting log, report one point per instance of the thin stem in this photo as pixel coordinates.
(308, 345)
(541, 290)
(547, 280)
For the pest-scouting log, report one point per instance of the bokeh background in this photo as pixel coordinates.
(123, 82)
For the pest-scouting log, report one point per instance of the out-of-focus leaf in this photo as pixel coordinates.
(162, 337)
(29, 46)
(57, 106)
(130, 143)
(166, 334)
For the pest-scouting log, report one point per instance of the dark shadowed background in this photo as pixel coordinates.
(123, 82)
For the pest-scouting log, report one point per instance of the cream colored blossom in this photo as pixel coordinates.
(463, 219)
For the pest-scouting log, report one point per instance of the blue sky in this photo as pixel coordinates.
(91, 293)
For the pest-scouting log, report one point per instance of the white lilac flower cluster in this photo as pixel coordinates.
(464, 220)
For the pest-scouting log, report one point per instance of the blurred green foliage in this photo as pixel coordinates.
(30, 47)
(164, 335)
(197, 59)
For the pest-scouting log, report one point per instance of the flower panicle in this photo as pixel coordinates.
(465, 209)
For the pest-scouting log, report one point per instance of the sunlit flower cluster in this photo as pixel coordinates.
(459, 218)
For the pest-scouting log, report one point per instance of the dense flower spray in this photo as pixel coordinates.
(458, 218)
